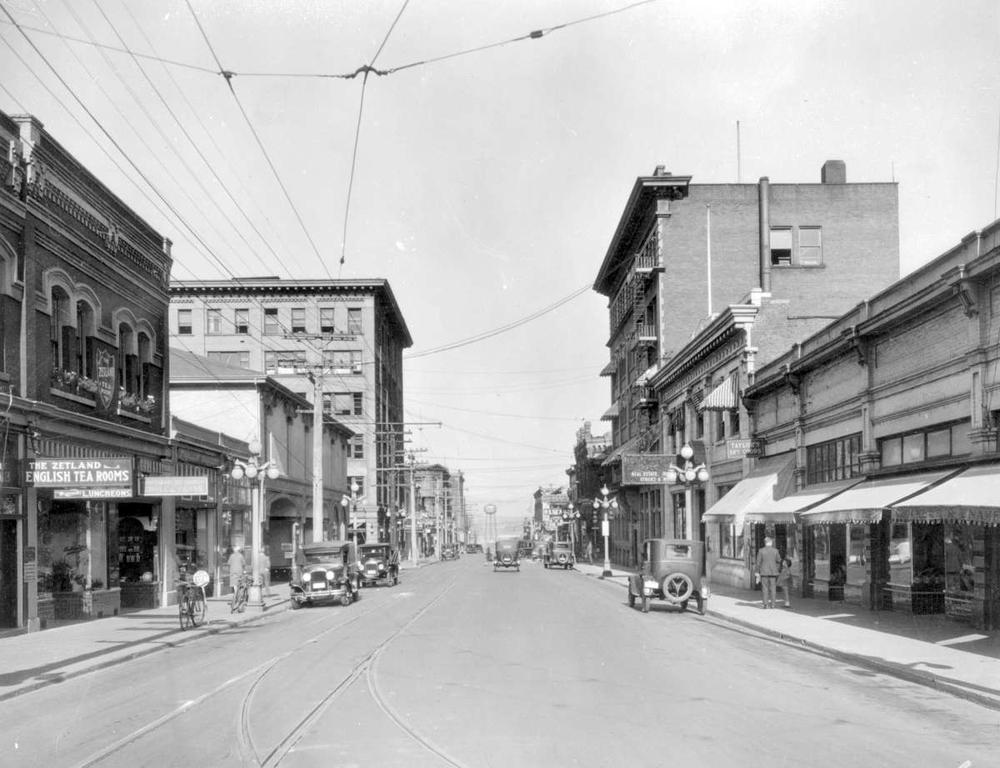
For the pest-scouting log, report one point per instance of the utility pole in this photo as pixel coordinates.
(317, 468)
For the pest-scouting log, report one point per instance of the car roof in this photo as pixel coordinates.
(324, 546)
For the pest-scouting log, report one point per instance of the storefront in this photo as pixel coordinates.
(11, 533)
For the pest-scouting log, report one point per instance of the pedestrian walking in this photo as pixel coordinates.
(236, 567)
(590, 552)
(265, 571)
(768, 568)
(785, 580)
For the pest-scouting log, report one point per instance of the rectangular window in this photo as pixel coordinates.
(342, 361)
(184, 322)
(284, 361)
(241, 319)
(357, 447)
(913, 448)
(327, 404)
(938, 442)
(271, 325)
(298, 320)
(354, 321)
(734, 422)
(720, 426)
(810, 246)
(359, 403)
(326, 320)
(213, 321)
(833, 460)
(781, 247)
(239, 359)
(343, 403)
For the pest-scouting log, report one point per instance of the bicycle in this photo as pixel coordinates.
(238, 602)
(191, 603)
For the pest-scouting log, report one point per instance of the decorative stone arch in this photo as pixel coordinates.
(125, 316)
(58, 277)
(8, 267)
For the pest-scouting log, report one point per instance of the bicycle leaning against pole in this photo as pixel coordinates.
(191, 603)
(238, 602)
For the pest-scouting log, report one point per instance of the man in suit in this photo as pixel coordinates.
(768, 568)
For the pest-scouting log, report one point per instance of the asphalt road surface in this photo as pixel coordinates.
(462, 666)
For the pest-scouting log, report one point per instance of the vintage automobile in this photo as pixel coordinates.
(558, 554)
(379, 564)
(325, 571)
(507, 554)
(449, 552)
(671, 570)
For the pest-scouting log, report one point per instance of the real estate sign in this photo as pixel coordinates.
(645, 468)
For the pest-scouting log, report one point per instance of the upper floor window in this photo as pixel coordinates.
(934, 443)
(343, 360)
(833, 460)
(781, 247)
(271, 325)
(354, 321)
(356, 448)
(284, 361)
(810, 246)
(184, 322)
(326, 324)
(237, 359)
(298, 320)
(241, 320)
(213, 321)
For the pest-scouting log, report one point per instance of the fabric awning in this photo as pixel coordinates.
(787, 508)
(722, 398)
(616, 455)
(646, 375)
(971, 496)
(611, 413)
(753, 492)
(865, 502)
(609, 368)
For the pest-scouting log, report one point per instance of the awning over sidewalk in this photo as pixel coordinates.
(616, 455)
(611, 413)
(972, 496)
(753, 492)
(787, 508)
(722, 398)
(865, 502)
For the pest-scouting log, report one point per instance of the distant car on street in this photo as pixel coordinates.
(379, 564)
(507, 554)
(558, 554)
(671, 570)
(449, 552)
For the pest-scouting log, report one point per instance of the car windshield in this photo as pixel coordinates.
(375, 552)
(321, 556)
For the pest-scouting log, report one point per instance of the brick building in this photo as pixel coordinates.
(798, 255)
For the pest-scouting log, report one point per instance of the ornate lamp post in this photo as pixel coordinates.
(608, 508)
(570, 516)
(255, 471)
(689, 474)
(352, 502)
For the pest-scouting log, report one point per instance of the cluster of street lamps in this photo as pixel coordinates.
(608, 506)
(352, 502)
(255, 471)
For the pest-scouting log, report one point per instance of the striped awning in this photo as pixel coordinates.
(972, 497)
(865, 502)
(646, 375)
(609, 368)
(611, 413)
(722, 398)
(753, 492)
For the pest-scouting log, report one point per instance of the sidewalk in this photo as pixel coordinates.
(930, 650)
(34, 660)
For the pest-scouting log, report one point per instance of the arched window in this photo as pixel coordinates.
(85, 329)
(145, 357)
(62, 335)
(127, 374)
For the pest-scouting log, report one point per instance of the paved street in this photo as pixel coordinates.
(462, 666)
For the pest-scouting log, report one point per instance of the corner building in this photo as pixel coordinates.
(683, 253)
(339, 340)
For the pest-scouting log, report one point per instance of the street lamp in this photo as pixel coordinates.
(570, 515)
(608, 508)
(254, 471)
(352, 501)
(689, 474)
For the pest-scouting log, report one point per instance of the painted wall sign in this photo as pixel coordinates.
(174, 485)
(645, 468)
(83, 477)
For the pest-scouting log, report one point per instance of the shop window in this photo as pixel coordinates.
(856, 558)
(821, 551)
(900, 554)
(959, 560)
(679, 516)
(928, 557)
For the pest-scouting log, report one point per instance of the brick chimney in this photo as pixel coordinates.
(833, 172)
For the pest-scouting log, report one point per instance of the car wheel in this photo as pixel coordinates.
(645, 603)
(677, 587)
(346, 599)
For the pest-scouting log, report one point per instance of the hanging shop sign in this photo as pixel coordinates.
(175, 485)
(105, 478)
(645, 468)
(738, 447)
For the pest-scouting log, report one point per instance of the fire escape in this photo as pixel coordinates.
(643, 342)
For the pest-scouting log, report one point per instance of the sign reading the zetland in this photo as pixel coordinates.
(645, 468)
(106, 478)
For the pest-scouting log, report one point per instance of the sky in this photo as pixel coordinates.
(482, 171)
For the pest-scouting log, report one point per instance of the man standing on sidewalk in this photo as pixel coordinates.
(768, 568)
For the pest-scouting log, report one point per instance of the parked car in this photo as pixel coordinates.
(379, 564)
(325, 571)
(449, 552)
(558, 554)
(507, 554)
(473, 549)
(671, 570)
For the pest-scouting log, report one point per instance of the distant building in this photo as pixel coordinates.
(342, 338)
(683, 253)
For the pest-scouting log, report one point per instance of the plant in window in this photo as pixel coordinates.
(147, 404)
(85, 384)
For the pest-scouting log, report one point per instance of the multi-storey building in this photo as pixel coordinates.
(684, 252)
(339, 340)
(889, 419)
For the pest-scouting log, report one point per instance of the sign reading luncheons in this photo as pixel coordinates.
(645, 468)
(104, 478)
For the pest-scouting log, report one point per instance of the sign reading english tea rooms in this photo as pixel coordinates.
(104, 478)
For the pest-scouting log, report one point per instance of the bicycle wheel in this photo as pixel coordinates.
(239, 599)
(184, 611)
(198, 609)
